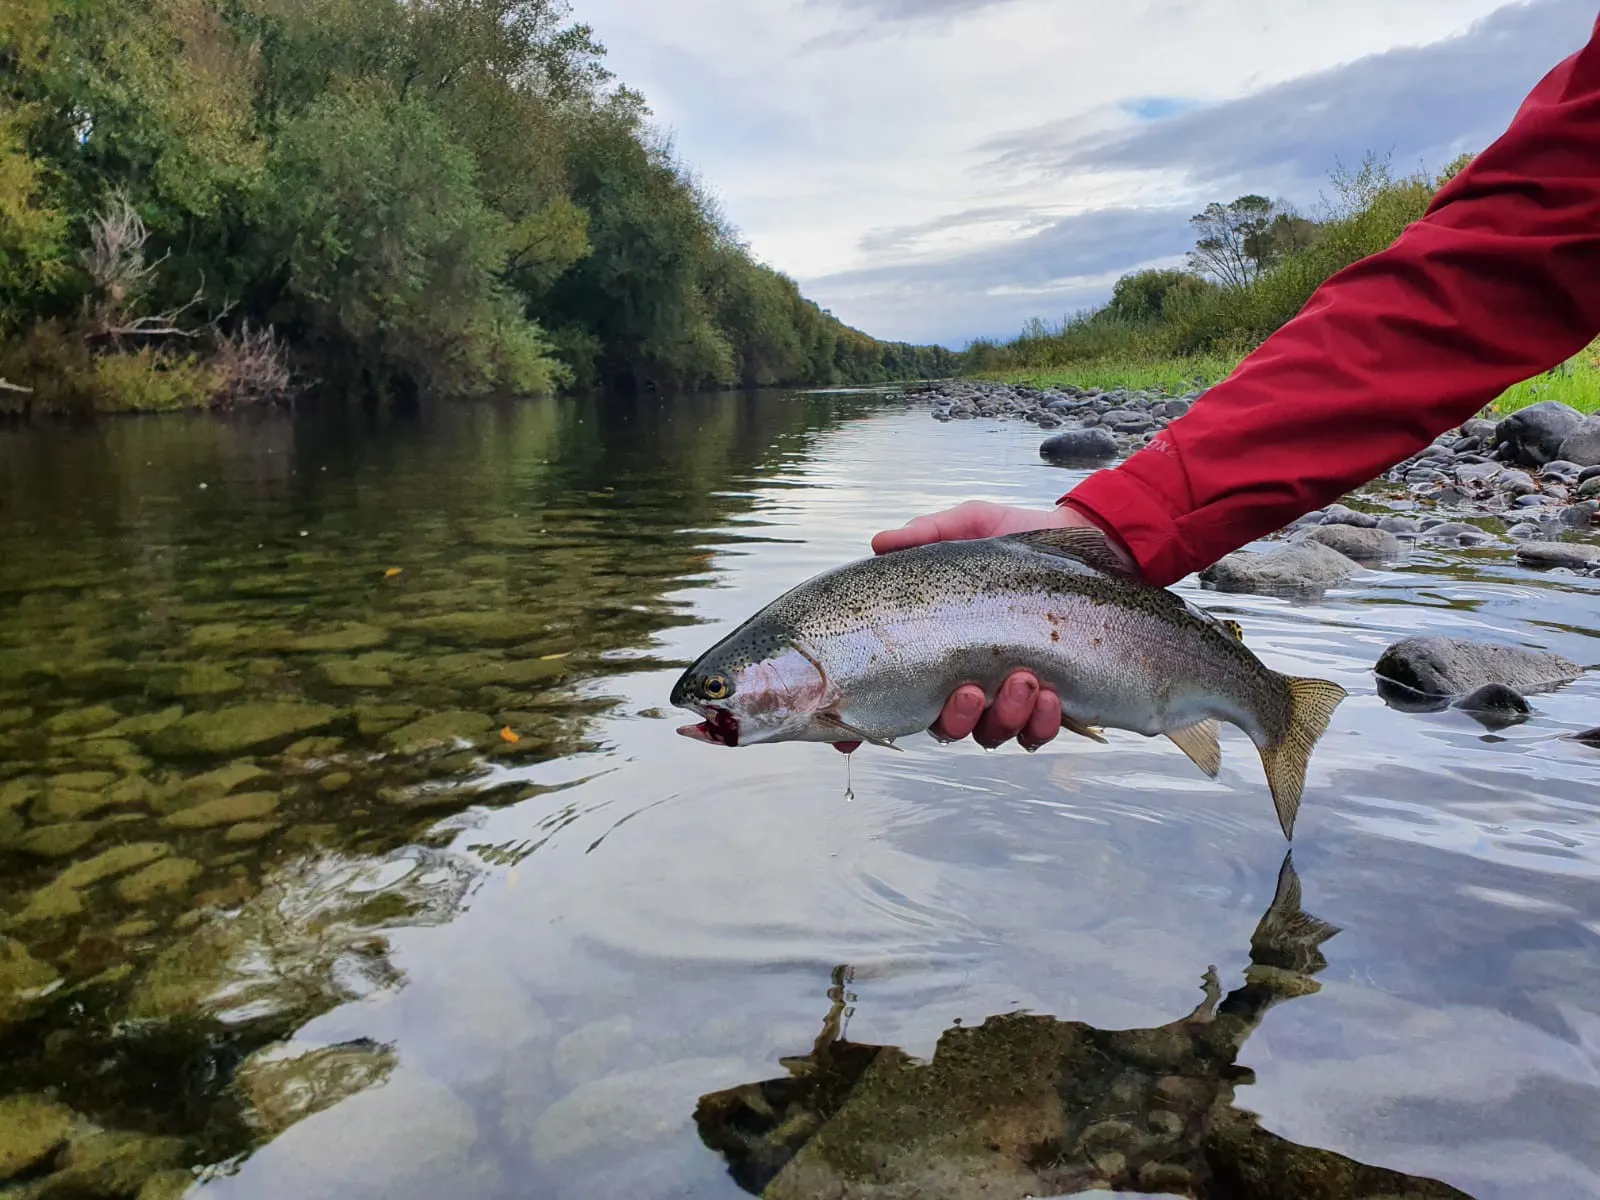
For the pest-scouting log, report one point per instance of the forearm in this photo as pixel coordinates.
(1498, 282)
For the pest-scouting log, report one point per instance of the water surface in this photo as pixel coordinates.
(348, 847)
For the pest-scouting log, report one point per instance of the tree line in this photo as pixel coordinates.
(201, 200)
(1255, 263)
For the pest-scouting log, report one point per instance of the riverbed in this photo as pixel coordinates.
(347, 846)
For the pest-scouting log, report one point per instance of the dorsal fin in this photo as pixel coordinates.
(1234, 628)
(1088, 546)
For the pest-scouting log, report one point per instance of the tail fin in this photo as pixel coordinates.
(1311, 705)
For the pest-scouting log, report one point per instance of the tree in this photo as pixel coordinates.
(1240, 240)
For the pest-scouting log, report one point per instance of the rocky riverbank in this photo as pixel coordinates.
(1528, 483)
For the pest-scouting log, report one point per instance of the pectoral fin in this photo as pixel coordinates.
(855, 735)
(1072, 725)
(1200, 743)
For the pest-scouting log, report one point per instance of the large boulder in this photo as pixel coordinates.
(1300, 567)
(1449, 667)
(1582, 445)
(1533, 436)
(1558, 554)
(1079, 445)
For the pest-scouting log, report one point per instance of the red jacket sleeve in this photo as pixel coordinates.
(1499, 281)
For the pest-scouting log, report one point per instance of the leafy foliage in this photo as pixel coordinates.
(448, 197)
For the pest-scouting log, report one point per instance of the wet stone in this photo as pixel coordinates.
(633, 1107)
(81, 720)
(32, 1131)
(170, 877)
(53, 902)
(1442, 666)
(224, 810)
(251, 831)
(1303, 566)
(282, 1087)
(350, 673)
(442, 730)
(198, 680)
(374, 719)
(353, 635)
(1558, 554)
(58, 841)
(334, 781)
(23, 980)
(1355, 542)
(116, 861)
(111, 1163)
(243, 727)
(1343, 514)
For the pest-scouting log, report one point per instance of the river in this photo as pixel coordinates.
(347, 846)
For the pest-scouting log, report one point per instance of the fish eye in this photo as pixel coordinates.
(715, 687)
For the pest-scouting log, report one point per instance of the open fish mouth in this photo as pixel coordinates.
(719, 728)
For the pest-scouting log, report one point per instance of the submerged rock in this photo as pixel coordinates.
(242, 727)
(1443, 666)
(1495, 705)
(23, 980)
(1079, 445)
(446, 729)
(224, 810)
(170, 877)
(116, 861)
(32, 1130)
(1302, 566)
(633, 1107)
(281, 1087)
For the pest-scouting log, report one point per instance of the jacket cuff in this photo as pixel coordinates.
(1138, 515)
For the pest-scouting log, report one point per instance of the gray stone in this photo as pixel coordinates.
(1558, 554)
(1589, 488)
(1456, 533)
(1478, 428)
(1471, 474)
(1515, 483)
(1588, 473)
(1442, 666)
(1533, 436)
(1079, 445)
(1400, 526)
(1363, 545)
(1494, 698)
(1340, 514)
(1582, 445)
(1301, 566)
(1561, 468)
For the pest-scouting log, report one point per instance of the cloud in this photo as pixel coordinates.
(1424, 104)
(911, 10)
(1067, 265)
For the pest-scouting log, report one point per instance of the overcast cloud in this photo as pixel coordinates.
(935, 170)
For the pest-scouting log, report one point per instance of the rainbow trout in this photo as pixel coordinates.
(870, 651)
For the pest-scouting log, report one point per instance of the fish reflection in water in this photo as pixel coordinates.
(1027, 1105)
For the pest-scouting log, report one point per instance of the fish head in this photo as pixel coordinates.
(747, 698)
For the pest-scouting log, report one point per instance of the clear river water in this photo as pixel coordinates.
(347, 847)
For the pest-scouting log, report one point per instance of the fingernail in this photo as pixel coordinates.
(1022, 689)
(1030, 747)
(969, 706)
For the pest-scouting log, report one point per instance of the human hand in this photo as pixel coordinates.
(1024, 708)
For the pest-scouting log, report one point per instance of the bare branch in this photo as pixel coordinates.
(7, 386)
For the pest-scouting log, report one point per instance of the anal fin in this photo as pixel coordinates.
(855, 735)
(1200, 743)
(1073, 725)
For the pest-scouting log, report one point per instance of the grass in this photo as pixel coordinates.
(1576, 382)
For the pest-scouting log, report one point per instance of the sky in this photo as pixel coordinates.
(939, 170)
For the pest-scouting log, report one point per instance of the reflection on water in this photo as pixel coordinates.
(346, 848)
(1026, 1105)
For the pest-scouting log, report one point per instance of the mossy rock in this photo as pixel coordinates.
(14, 793)
(224, 810)
(169, 877)
(309, 749)
(198, 679)
(32, 1131)
(113, 1163)
(352, 673)
(53, 902)
(251, 831)
(58, 841)
(494, 628)
(210, 785)
(243, 727)
(23, 979)
(353, 635)
(70, 803)
(11, 717)
(116, 861)
(280, 1088)
(373, 719)
(81, 720)
(12, 827)
(144, 724)
(102, 750)
(439, 731)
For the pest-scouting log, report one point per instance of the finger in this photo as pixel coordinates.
(1044, 723)
(847, 747)
(963, 521)
(1010, 712)
(961, 713)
